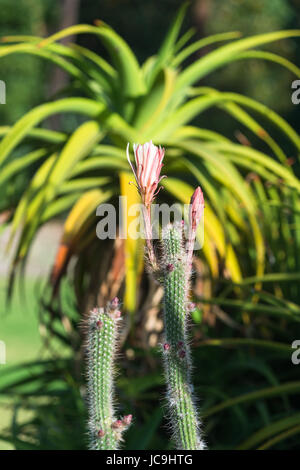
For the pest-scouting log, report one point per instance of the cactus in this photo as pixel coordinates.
(177, 362)
(105, 431)
(173, 270)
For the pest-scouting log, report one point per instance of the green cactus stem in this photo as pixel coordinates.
(176, 351)
(105, 431)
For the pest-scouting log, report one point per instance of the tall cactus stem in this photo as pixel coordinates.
(105, 431)
(176, 350)
(173, 270)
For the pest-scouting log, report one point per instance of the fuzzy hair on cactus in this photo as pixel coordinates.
(173, 270)
(102, 325)
(176, 352)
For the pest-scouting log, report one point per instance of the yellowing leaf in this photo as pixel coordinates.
(134, 254)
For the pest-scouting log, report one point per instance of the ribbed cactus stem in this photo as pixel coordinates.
(176, 351)
(105, 431)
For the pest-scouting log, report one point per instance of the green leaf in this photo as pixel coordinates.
(227, 54)
(78, 146)
(166, 51)
(59, 206)
(254, 307)
(82, 184)
(45, 135)
(151, 108)
(197, 45)
(26, 123)
(283, 389)
(280, 437)
(270, 430)
(246, 342)
(267, 113)
(74, 71)
(132, 84)
(97, 163)
(270, 56)
(213, 230)
(254, 156)
(20, 164)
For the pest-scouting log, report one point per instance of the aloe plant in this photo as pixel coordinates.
(123, 101)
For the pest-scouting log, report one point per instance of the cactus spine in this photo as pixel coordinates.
(105, 431)
(176, 352)
(173, 270)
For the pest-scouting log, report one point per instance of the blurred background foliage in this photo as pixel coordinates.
(143, 27)
(241, 334)
(25, 79)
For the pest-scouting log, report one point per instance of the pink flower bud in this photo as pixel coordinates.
(170, 267)
(99, 324)
(101, 433)
(195, 214)
(115, 302)
(148, 159)
(191, 306)
(196, 208)
(117, 424)
(166, 347)
(127, 420)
